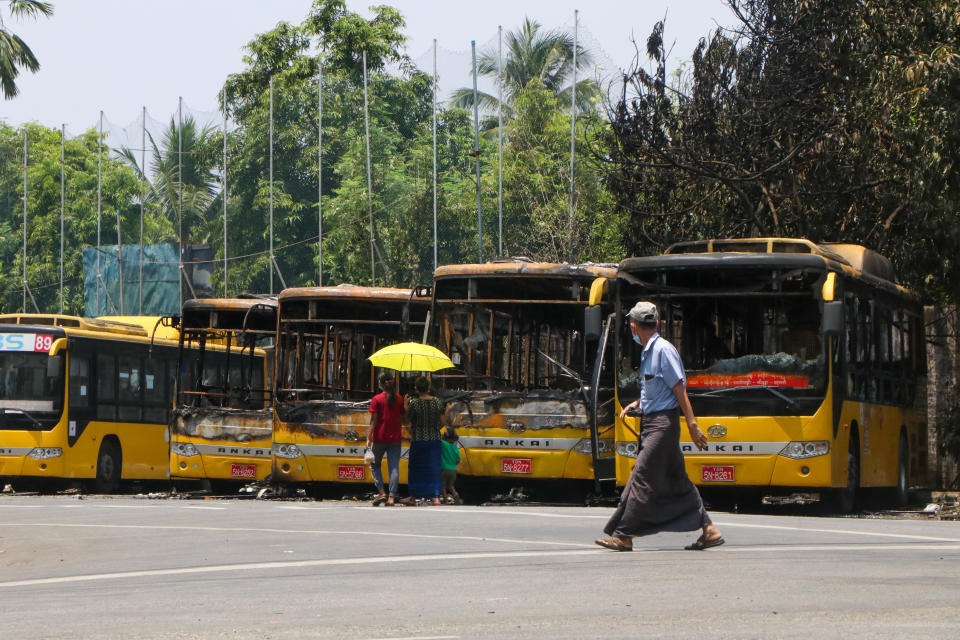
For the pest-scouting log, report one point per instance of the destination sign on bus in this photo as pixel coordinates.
(752, 379)
(25, 342)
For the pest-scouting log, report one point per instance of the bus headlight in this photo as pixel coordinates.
(800, 450)
(287, 451)
(42, 453)
(628, 449)
(184, 449)
(604, 445)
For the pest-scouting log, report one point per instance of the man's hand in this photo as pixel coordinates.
(697, 436)
(628, 408)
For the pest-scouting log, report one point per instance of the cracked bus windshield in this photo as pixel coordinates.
(756, 355)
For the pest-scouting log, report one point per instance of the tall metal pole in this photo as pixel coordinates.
(224, 194)
(476, 150)
(120, 261)
(143, 177)
(500, 140)
(180, 274)
(573, 121)
(366, 125)
(99, 204)
(63, 135)
(434, 154)
(271, 185)
(25, 136)
(319, 173)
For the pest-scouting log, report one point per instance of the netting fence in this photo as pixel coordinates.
(241, 211)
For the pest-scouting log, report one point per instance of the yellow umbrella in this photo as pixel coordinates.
(410, 356)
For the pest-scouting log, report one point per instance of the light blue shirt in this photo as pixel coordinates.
(661, 369)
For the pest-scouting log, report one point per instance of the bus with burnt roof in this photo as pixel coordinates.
(526, 395)
(84, 400)
(221, 430)
(805, 365)
(324, 381)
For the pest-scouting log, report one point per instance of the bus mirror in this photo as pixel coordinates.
(832, 323)
(53, 366)
(592, 322)
(58, 345)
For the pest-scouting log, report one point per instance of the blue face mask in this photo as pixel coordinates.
(635, 338)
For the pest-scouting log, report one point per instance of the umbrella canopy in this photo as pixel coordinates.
(410, 356)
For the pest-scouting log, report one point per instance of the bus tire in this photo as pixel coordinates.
(901, 493)
(109, 462)
(845, 500)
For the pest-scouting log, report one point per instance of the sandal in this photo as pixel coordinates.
(379, 500)
(390, 502)
(614, 544)
(702, 544)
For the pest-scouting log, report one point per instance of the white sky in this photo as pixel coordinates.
(120, 55)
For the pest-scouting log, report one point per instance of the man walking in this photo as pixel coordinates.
(659, 496)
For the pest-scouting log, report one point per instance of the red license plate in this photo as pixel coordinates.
(515, 465)
(712, 473)
(243, 471)
(351, 472)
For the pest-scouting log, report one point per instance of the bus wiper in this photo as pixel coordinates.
(787, 400)
(26, 414)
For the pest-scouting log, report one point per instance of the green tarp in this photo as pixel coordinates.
(160, 280)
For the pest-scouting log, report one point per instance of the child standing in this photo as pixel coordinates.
(449, 459)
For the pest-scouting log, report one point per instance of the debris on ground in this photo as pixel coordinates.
(945, 505)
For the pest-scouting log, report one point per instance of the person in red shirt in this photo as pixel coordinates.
(384, 438)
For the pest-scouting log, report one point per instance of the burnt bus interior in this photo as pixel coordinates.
(749, 336)
(325, 342)
(513, 333)
(232, 374)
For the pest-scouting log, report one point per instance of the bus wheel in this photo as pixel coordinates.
(108, 467)
(901, 493)
(845, 500)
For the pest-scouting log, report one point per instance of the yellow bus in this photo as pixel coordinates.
(222, 425)
(805, 365)
(84, 399)
(324, 381)
(523, 395)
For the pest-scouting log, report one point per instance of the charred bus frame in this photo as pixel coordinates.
(222, 424)
(526, 395)
(324, 381)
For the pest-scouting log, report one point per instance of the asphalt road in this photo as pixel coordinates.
(133, 568)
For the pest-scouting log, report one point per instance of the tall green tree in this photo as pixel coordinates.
(181, 185)
(532, 54)
(833, 121)
(119, 193)
(14, 52)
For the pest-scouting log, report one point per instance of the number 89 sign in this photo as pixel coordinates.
(36, 342)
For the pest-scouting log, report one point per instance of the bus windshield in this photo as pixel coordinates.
(762, 356)
(28, 398)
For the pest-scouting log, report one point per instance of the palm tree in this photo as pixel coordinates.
(14, 52)
(532, 54)
(195, 181)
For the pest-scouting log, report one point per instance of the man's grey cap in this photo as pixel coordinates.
(644, 312)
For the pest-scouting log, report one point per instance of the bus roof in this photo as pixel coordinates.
(252, 313)
(352, 292)
(125, 325)
(150, 325)
(522, 267)
(852, 260)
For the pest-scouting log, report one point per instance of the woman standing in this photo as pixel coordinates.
(424, 414)
(384, 438)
